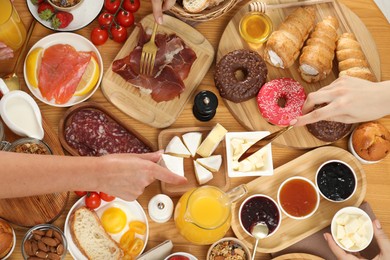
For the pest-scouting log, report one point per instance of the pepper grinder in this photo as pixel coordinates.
(205, 105)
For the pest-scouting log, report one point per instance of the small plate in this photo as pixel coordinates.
(80, 44)
(82, 15)
(134, 208)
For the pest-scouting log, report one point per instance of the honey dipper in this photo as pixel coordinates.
(262, 7)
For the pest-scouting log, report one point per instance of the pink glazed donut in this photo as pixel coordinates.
(281, 100)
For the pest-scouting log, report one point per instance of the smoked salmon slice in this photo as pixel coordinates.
(61, 70)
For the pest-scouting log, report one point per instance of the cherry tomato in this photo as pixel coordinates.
(125, 18)
(105, 19)
(106, 197)
(92, 200)
(126, 239)
(99, 36)
(119, 33)
(112, 5)
(139, 227)
(135, 247)
(80, 193)
(131, 5)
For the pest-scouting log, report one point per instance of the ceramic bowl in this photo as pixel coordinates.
(172, 256)
(225, 246)
(13, 240)
(69, 7)
(352, 229)
(304, 192)
(352, 150)
(336, 181)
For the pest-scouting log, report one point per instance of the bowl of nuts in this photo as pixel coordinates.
(44, 241)
(227, 248)
(29, 145)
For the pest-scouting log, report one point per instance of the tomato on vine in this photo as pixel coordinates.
(99, 36)
(112, 5)
(106, 197)
(125, 18)
(92, 200)
(80, 193)
(131, 5)
(105, 19)
(119, 33)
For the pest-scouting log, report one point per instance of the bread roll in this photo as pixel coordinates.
(284, 44)
(6, 238)
(351, 58)
(317, 56)
(195, 6)
(371, 141)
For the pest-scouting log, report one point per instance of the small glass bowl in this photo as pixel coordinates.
(255, 27)
(236, 243)
(65, 9)
(58, 234)
(45, 149)
(13, 243)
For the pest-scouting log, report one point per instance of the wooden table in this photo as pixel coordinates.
(378, 175)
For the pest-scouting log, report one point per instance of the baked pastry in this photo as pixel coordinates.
(254, 75)
(6, 238)
(284, 44)
(317, 56)
(351, 58)
(371, 141)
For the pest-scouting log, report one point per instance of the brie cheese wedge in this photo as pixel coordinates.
(173, 163)
(176, 147)
(192, 141)
(212, 163)
(202, 174)
(208, 146)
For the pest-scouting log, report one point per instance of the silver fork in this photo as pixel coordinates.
(148, 55)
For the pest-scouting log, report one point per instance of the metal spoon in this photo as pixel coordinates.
(259, 231)
(12, 80)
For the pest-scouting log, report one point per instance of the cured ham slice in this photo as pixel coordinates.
(61, 70)
(172, 66)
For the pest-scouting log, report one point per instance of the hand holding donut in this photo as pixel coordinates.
(349, 100)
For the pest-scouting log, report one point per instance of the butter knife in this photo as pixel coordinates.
(262, 143)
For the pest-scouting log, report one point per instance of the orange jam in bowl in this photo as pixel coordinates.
(255, 27)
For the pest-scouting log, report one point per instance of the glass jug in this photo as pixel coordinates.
(203, 215)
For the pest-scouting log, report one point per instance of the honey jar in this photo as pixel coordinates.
(255, 27)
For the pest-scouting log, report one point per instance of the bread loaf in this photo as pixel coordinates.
(317, 56)
(91, 238)
(195, 6)
(284, 44)
(6, 238)
(351, 59)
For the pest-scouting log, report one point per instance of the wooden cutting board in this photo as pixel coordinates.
(247, 112)
(291, 231)
(141, 106)
(298, 256)
(30, 211)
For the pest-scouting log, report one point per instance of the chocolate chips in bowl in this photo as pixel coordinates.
(30, 146)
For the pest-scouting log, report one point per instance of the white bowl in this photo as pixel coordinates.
(279, 213)
(352, 150)
(235, 241)
(80, 43)
(266, 170)
(13, 246)
(316, 192)
(368, 233)
(190, 257)
(319, 188)
(65, 9)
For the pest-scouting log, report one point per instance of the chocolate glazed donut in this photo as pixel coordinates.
(253, 69)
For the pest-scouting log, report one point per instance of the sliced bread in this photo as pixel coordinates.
(195, 6)
(90, 236)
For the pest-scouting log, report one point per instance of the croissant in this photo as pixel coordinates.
(351, 58)
(317, 56)
(284, 44)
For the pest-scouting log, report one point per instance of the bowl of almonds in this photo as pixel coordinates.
(44, 241)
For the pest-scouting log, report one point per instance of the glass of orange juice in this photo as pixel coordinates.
(12, 30)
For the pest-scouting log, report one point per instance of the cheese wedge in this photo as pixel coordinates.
(208, 146)
(192, 141)
(212, 163)
(173, 163)
(202, 174)
(176, 147)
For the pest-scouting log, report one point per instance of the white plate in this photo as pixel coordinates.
(134, 207)
(80, 44)
(82, 15)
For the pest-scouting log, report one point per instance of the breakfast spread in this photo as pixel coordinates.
(316, 60)
(172, 65)
(93, 133)
(284, 45)
(281, 100)
(254, 75)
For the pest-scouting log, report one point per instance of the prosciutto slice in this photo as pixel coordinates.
(172, 65)
(61, 70)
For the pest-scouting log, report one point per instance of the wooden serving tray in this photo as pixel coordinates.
(30, 211)
(65, 120)
(291, 231)
(247, 113)
(220, 180)
(298, 256)
(141, 106)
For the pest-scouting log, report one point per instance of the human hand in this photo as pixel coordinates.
(349, 100)
(5, 52)
(159, 6)
(126, 176)
(380, 236)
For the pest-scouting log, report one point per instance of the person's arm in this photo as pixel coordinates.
(121, 175)
(349, 100)
(159, 6)
(5, 52)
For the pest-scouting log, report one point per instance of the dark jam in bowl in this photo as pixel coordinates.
(258, 209)
(336, 181)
